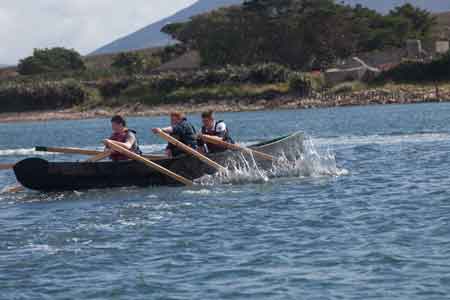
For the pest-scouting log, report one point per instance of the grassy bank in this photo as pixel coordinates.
(343, 95)
(263, 86)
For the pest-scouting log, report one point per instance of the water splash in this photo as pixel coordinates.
(308, 163)
(305, 161)
(238, 171)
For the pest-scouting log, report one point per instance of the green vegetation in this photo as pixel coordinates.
(42, 95)
(172, 86)
(417, 71)
(134, 62)
(143, 94)
(348, 87)
(303, 34)
(230, 82)
(51, 60)
(261, 50)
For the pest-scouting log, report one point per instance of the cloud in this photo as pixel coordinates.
(84, 25)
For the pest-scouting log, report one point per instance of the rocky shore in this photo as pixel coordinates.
(375, 96)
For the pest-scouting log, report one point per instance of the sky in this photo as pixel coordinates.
(83, 25)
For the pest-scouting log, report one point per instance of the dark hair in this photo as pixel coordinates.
(119, 120)
(208, 114)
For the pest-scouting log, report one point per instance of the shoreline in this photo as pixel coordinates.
(139, 110)
(382, 95)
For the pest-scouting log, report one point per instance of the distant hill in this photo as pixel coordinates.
(151, 35)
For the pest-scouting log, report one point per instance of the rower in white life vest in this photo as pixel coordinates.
(217, 129)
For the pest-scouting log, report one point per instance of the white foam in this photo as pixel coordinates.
(21, 152)
(309, 162)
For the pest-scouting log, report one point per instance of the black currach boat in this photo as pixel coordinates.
(39, 174)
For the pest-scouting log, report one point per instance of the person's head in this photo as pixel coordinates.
(176, 117)
(208, 119)
(118, 124)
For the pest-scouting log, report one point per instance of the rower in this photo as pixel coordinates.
(124, 137)
(216, 129)
(182, 130)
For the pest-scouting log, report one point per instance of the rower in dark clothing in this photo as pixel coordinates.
(124, 137)
(216, 129)
(182, 130)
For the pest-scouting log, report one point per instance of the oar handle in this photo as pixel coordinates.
(6, 166)
(99, 157)
(189, 150)
(226, 145)
(88, 152)
(67, 150)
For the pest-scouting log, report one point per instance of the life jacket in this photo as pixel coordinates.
(122, 137)
(186, 134)
(226, 137)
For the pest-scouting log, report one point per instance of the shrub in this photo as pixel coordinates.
(170, 52)
(268, 73)
(414, 71)
(298, 84)
(51, 60)
(113, 88)
(166, 82)
(42, 95)
(131, 62)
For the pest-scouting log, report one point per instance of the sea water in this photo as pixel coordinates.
(363, 213)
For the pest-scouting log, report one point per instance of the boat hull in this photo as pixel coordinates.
(39, 174)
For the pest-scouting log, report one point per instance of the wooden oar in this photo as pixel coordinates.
(15, 189)
(134, 156)
(88, 152)
(190, 151)
(99, 157)
(225, 145)
(68, 150)
(6, 166)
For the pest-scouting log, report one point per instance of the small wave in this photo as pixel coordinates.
(152, 148)
(21, 152)
(202, 192)
(41, 248)
(383, 139)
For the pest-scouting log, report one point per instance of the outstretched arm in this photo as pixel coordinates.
(218, 138)
(168, 130)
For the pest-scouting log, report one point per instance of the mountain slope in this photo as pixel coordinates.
(151, 35)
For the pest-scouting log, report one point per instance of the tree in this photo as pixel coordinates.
(299, 33)
(51, 60)
(420, 21)
(134, 62)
